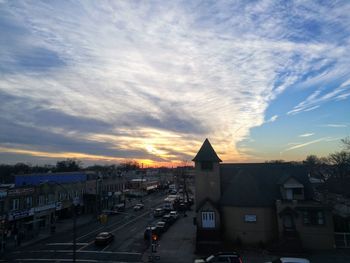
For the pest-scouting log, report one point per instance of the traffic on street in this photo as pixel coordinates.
(125, 243)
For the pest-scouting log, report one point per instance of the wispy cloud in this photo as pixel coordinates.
(273, 118)
(158, 77)
(306, 134)
(333, 125)
(301, 145)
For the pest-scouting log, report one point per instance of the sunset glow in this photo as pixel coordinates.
(110, 81)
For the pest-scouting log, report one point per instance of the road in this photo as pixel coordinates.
(128, 246)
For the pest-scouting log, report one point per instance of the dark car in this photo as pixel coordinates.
(119, 207)
(158, 212)
(104, 238)
(110, 212)
(151, 230)
(168, 219)
(161, 227)
(229, 257)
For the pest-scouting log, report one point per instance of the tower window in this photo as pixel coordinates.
(207, 166)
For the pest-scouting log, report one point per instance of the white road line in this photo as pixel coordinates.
(57, 260)
(84, 251)
(64, 244)
(118, 222)
(102, 227)
(105, 248)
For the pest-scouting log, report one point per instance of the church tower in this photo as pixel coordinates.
(207, 175)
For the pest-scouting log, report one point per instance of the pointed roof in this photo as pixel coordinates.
(206, 153)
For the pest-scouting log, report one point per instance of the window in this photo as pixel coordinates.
(313, 218)
(289, 194)
(207, 166)
(51, 198)
(297, 191)
(249, 218)
(208, 219)
(41, 199)
(15, 204)
(29, 202)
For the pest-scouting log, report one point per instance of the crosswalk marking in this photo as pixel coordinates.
(65, 244)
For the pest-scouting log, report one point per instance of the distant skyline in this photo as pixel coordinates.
(109, 81)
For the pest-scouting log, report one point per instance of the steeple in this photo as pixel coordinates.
(206, 153)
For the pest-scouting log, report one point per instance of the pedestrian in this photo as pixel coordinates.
(15, 234)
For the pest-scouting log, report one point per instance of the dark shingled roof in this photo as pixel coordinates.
(206, 153)
(258, 185)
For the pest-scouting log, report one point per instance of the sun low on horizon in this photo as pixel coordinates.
(149, 81)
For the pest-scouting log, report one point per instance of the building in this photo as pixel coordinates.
(257, 204)
(335, 192)
(103, 192)
(35, 201)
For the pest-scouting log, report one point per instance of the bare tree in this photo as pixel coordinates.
(346, 143)
(340, 162)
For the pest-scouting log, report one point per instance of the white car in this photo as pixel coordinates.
(174, 214)
(290, 260)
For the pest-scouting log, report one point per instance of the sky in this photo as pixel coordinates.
(110, 81)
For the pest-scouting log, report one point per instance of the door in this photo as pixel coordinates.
(208, 219)
(288, 222)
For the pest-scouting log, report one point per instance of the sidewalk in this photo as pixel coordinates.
(64, 225)
(178, 243)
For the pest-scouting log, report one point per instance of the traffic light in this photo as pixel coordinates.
(154, 238)
(103, 218)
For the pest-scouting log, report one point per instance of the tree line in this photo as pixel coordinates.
(335, 165)
(7, 171)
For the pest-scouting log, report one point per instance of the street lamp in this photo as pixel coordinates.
(98, 192)
(74, 202)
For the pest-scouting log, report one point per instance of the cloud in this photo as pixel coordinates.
(319, 96)
(160, 77)
(335, 125)
(306, 134)
(301, 145)
(273, 118)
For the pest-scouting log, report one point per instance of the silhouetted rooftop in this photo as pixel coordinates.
(206, 153)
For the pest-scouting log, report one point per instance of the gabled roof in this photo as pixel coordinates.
(207, 201)
(257, 184)
(206, 153)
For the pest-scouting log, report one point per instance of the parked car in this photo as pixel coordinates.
(119, 207)
(138, 207)
(229, 257)
(104, 238)
(290, 260)
(168, 219)
(158, 212)
(174, 214)
(150, 230)
(182, 207)
(161, 227)
(109, 212)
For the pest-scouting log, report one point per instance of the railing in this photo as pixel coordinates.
(342, 239)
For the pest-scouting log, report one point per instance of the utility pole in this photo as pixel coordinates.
(185, 187)
(74, 230)
(141, 182)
